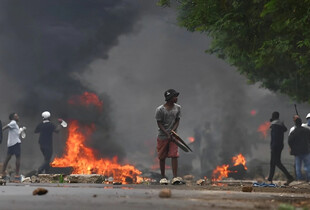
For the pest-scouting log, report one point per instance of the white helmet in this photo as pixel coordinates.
(46, 115)
(308, 116)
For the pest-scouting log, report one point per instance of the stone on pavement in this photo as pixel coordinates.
(165, 193)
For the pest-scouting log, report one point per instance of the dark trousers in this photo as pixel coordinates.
(275, 160)
(47, 153)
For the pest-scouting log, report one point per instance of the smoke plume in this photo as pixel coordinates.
(44, 46)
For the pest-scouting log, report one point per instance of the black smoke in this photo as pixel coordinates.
(45, 45)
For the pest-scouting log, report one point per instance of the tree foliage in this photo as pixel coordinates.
(268, 41)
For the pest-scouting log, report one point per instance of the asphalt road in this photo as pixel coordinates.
(102, 196)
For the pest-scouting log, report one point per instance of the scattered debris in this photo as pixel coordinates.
(40, 191)
(34, 179)
(188, 177)
(247, 189)
(26, 180)
(2, 182)
(86, 178)
(117, 183)
(200, 182)
(256, 184)
(165, 193)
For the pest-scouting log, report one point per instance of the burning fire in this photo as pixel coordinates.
(239, 159)
(82, 158)
(222, 171)
(191, 139)
(86, 99)
(263, 128)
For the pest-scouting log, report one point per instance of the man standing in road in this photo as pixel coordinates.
(168, 119)
(299, 142)
(46, 129)
(277, 136)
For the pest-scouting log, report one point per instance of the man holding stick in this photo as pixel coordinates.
(168, 119)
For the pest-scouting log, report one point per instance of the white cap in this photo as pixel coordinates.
(46, 115)
(308, 116)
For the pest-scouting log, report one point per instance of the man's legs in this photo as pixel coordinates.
(162, 165)
(17, 164)
(174, 163)
(307, 166)
(272, 166)
(5, 164)
(281, 166)
(47, 153)
(298, 160)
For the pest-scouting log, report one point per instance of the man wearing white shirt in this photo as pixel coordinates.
(14, 143)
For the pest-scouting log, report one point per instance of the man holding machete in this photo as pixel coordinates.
(168, 118)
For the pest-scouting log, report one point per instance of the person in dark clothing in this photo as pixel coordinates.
(299, 142)
(46, 130)
(277, 136)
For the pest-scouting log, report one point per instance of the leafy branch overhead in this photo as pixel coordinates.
(268, 41)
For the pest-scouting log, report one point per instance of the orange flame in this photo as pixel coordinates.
(191, 139)
(263, 128)
(86, 99)
(239, 159)
(222, 171)
(83, 160)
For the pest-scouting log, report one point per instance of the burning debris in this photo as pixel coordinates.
(191, 139)
(83, 159)
(263, 129)
(237, 170)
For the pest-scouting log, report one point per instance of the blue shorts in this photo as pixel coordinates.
(14, 150)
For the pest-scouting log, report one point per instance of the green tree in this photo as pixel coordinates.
(268, 41)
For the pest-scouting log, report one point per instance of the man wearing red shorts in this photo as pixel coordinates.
(168, 118)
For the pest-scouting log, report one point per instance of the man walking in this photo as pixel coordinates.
(46, 129)
(299, 142)
(14, 144)
(168, 119)
(277, 136)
